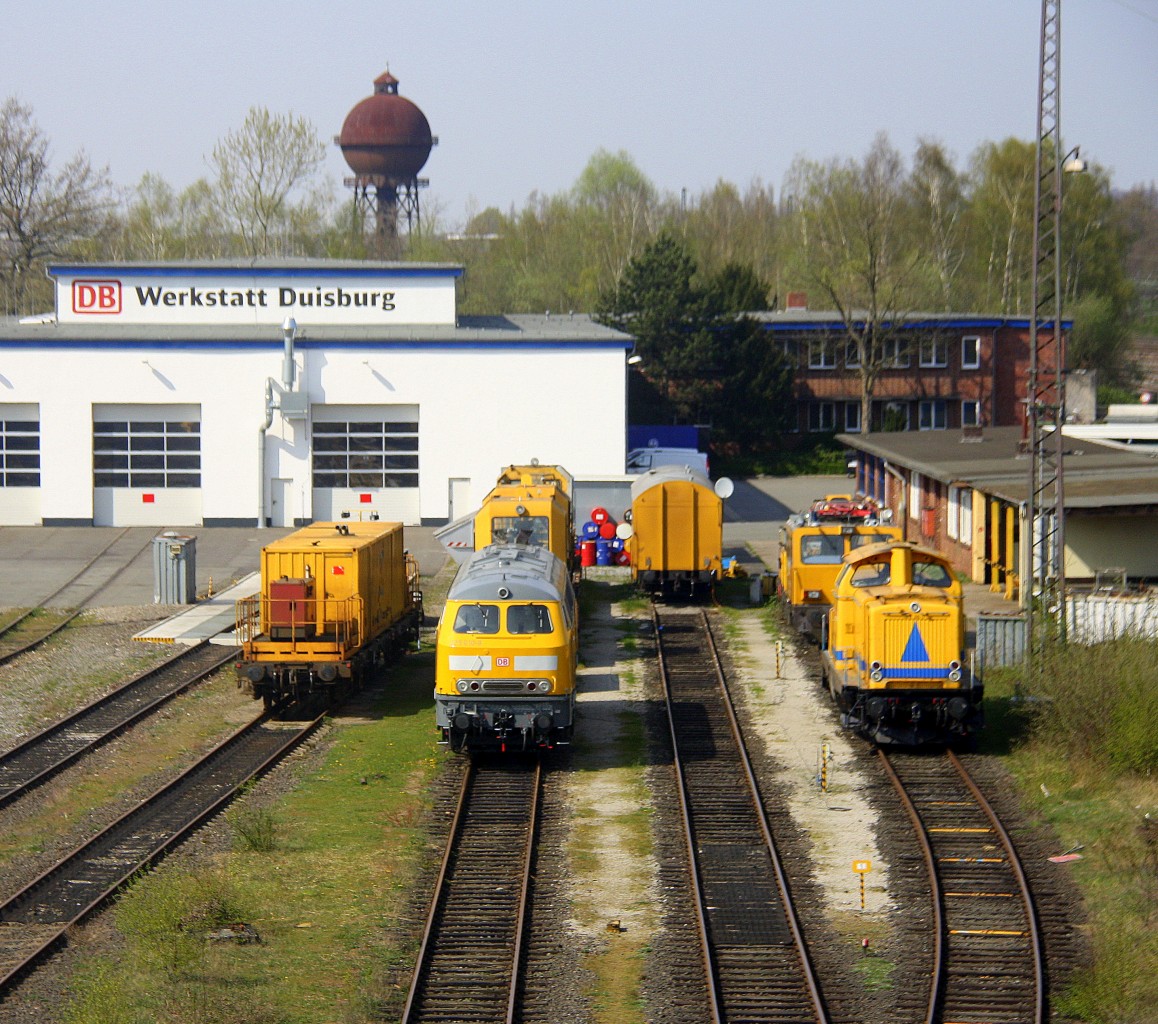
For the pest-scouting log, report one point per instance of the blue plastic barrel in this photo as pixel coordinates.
(602, 552)
(590, 530)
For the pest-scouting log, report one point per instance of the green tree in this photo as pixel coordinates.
(701, 363)
(937, 192)
(44, 213)
(854, 245)
(264, 184)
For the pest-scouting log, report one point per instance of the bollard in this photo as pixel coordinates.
(862, 868)
(822, 767)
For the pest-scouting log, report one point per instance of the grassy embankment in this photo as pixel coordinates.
(1084, 749)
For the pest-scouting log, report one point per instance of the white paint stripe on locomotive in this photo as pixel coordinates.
(536, 663)
(470, 662)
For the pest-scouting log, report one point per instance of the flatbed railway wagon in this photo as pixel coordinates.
(336, 600)
(813, 544)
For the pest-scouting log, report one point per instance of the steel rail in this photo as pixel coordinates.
(689, 841)
(53, 933)
(72, 613)
(937, 978)
(1027, 900)
(19, 771)
(757, 805)
(938, 986)
(443, 895)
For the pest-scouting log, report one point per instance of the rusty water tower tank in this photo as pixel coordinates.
(386, 138)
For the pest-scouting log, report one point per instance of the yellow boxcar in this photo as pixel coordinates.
(334, 599)
(813, 544)
(507, 650)
(530, 505)
(894, 656)
(677, 531)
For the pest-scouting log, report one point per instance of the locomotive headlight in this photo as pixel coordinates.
(467, 685)
(955, 675)
(876, 675)
(954, 665)
(538, 685)
(812, 595)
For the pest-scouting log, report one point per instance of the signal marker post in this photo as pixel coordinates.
(862, 868)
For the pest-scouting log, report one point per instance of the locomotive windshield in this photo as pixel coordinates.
(860, 539)
(822, 549)
(529, 618)
(520, 530)
(930, 574)
(873, 574)
(477, 618)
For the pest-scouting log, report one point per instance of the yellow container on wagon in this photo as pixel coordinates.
(332, 595)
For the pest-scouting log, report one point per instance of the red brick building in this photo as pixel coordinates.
(944, 371)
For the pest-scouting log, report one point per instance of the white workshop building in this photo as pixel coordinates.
(232, 393)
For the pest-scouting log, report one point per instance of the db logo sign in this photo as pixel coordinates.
(96, 297)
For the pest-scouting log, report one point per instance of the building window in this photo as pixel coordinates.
(960, 519)
(852, 355)
(365, 453)
(146, 453)
(821, 354)
(970, 352)
(895, 353)
(931, 414)
(20, 453)
(852, 417)
(895, 417)
(915, 484)
(821, 416)
(934, 352)
(790, 350)
(970, 414)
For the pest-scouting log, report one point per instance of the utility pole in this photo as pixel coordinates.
(1045, 405)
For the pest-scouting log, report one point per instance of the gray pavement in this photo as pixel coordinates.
(36, 561)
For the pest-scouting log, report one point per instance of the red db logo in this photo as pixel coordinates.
(96, 297)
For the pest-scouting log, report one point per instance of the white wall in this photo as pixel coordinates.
(480, 408)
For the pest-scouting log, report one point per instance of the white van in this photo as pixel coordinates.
(640, 460)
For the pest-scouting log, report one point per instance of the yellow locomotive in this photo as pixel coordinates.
(529, 505)
(813, 544)
(893, 655)
(507, 650)
(335, 599)
(676, 537)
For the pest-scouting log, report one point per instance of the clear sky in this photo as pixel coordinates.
(521, 94)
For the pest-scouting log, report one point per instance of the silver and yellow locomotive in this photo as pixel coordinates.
(507, 650)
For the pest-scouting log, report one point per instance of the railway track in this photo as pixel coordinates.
(470, 960)
(755, 960)
(40, 757)
(35, 921)
(32, 627)
(988, 955)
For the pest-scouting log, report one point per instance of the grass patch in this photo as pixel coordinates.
(324, 894)
(615, 995)
(1084, 750)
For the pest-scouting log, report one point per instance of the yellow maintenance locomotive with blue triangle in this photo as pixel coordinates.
(893, 650)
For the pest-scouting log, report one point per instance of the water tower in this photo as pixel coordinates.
(386, 140)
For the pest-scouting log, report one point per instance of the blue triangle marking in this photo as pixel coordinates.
(915, 648)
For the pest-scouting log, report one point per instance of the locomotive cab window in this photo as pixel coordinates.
(477, 618)
(823, 549)
(520, 530)
(930, 574)
(858, 540)
(874, 574)
(529, 618)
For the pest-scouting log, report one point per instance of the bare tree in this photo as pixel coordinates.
(939, 196)
(42, 212)
(854, 244)
(260, 169)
